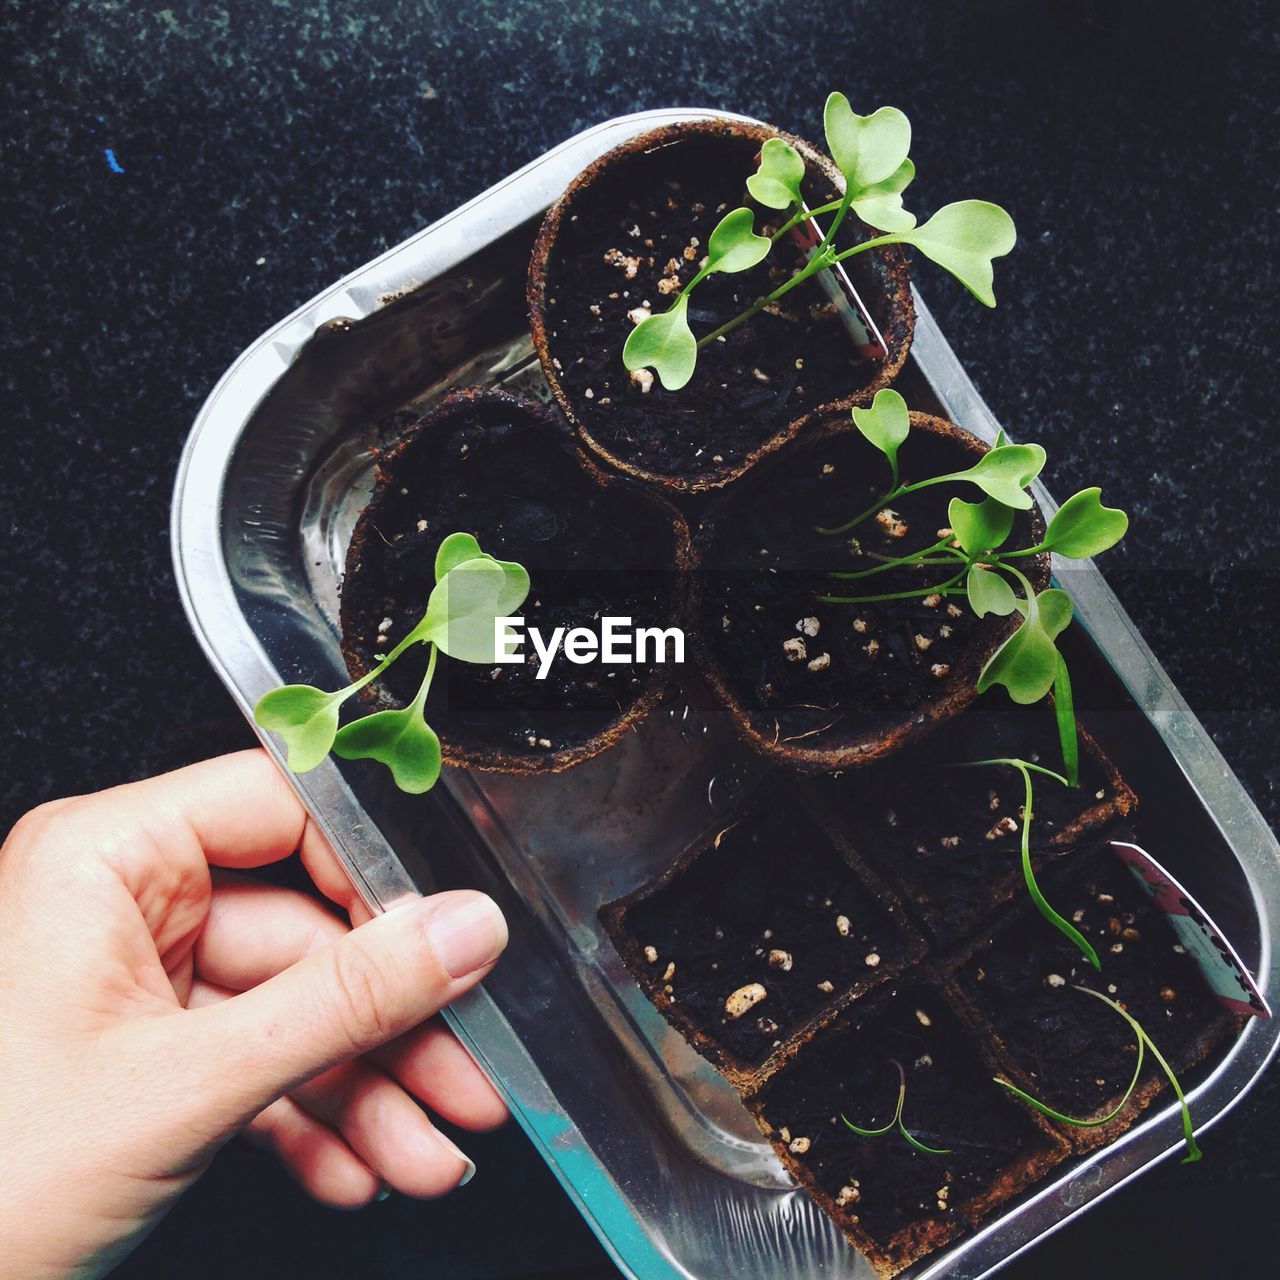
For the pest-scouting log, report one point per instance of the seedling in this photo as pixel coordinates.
(974, 563)
(664, 341)
(1026, 769)
(871, 154)
(896, 1122)
(471, 590)
(1144, 1043)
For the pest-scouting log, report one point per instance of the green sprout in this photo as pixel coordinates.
(1144, 1043)
(896, 1121)
(665, 341)
(1002, 473)
(1064, 926)
(871, 154)
(973, 562)
(471, 590)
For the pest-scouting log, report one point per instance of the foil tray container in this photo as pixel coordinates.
(653, 1147)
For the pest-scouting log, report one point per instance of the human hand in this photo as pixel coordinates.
(153, 1003)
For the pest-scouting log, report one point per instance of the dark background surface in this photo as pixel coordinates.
(268, 148)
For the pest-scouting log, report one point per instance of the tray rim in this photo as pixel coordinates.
(229, 644)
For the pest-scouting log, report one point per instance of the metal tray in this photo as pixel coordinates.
(652, 1146)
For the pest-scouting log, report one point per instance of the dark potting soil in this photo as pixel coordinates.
(515, 482)
(947, 838)
(1078, 1054)
(770, 907)
(883, 1184)
(632, 240)
(814, 673)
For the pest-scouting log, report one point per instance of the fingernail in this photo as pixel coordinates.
(384, 1193)
(466, 931)
(470, 1171)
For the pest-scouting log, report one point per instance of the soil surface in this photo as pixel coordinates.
(818, 674)
(632, 240)
(513, 480)
(771, 907)
(948, 839)
(1078, 1054)
(883, 1184)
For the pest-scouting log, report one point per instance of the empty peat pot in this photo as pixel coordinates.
(595, 545)
(825, 686)
(761, 931)
(629, 232)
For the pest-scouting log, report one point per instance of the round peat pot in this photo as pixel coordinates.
(824, 686)
(629, 232)
(595, 545)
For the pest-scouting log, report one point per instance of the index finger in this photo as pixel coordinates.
(239, 808)
(154, 841)
(243, 813)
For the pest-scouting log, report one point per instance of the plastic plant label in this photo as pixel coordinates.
(1203, 940)
(835, 283)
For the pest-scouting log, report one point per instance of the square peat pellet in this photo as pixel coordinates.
(893, 1200)
(760, 932)
(1069, 1049)
(947, 838)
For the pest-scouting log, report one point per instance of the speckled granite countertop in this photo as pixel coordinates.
(179, 177)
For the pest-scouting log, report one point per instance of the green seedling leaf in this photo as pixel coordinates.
(979, 526)
(463, 605)
(880, 205)
(867, 149)
(920, 1146)
(885, 424)
(1144, 1043)
(963, 238)
(896, 1121)
(1059, 922)
(776, 184)
(1064, 714)
(989, 593)
(1083, 527)
(665, 344)
(515, 586)
(1005, 472)
(734, 246)
(1066, 1119)
(305, 717)
(1025, 664)
(869, 1133)
(401, 740)
(458, 548)
(1055, 609)
(1188, 1132)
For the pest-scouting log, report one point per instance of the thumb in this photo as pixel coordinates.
(361, 990)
